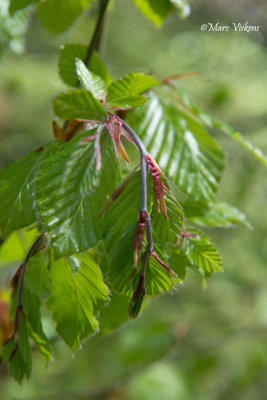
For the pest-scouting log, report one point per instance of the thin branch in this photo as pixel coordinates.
(95, 41)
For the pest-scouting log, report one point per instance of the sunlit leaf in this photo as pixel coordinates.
(37, 278)
(130, 85)
(182, 147)
(90, 81)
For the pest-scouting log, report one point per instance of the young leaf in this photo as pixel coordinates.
(126, 102)
(17, 191)
(202, 253)
(90, 81)
(220, 214)
(14, 249)
(76, 298)
(212, 122)
(78, 103)
(57, 15)
(37, 277)
(168, 230)
(154, 10)
(130, 85)
(71, 193)
(67, 68)
(182, 147)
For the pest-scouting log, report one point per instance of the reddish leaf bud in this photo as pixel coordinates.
(139, 236)
(158, 186)
(137, 299)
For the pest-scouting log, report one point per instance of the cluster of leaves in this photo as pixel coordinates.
(58, 191)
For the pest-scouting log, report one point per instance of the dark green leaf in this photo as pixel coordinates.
(67, 68)
(181, 146)
(31, 307)
(90, 81)
(16, 5)
(17, 191)
(57, 15)
(71, 194)
(76, 298)
(78, 103)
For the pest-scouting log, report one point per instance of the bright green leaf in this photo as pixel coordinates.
(90, 81)
(124, 103)
(130, 85)
(154, 10)
(76, 298)
(78, 103)
(202, 253)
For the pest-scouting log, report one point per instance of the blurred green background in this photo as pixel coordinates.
(191, 343)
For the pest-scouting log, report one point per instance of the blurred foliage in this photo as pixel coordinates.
(192, 343)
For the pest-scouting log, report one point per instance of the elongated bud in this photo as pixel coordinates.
(139, 237)
(137, 299)
(158, 186)
(123, 152)
(154, 254)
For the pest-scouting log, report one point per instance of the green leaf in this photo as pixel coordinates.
(177, 260)
(76, 298)
(130, 85)
(20, 365)
(16, 5)
(220, 214)
(168, 230)
(57, 15)
(37, 277)
(157, 278)
(181, 146)
(202, 253)
(17, 191)
(124, 103)
(14, 249)
(78, 103)
(67, 68)
(71, 194)
(120, 222)
(123, 214)
(212, 122)
(154, 10)
(114, 314)
(90, 81)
